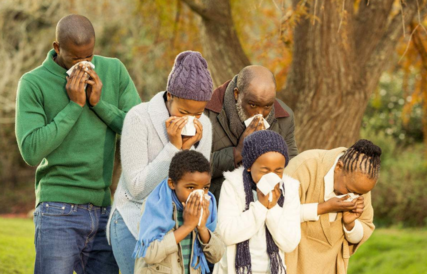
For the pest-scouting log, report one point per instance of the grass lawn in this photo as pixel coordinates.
(17, 251)
(387, 251)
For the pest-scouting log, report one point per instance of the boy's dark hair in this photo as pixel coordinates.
(188, 161)
(363, 156)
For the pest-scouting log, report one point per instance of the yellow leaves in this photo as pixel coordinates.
(415, 62)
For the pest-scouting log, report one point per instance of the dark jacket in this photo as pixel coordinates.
(222, 155)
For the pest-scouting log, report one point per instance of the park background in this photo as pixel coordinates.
(349, 69)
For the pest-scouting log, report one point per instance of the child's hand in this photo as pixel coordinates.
(276, 192)
(206, 214)
(192, 212)
(263, 199)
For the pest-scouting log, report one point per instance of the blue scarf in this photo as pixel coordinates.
(156, 222)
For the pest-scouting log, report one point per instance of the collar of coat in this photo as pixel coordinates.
(217, 101)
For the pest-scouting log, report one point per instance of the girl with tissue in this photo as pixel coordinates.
(178, 225)
(153, 133)
(259, 209)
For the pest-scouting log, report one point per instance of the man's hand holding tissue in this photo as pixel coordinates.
(76, 86)
(263, 199)
(255, 125)
(189, 141)
(94, 87)
(349, 217)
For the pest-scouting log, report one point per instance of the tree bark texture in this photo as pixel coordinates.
(221, 45)
(339, 54)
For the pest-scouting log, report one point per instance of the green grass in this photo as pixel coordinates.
(387, 251)
(392, 251)
(17, 251)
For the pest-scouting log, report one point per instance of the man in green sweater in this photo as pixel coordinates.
(67, 125)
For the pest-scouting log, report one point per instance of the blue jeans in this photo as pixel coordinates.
(123, 243)
(72, 237)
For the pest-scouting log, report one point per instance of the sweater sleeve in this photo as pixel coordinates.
(236, 226)
(215, 249)
(142, 176)
(37, 137)
(114, 116)
(222, 160)
(284, 222)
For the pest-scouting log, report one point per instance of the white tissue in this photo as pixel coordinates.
(86, 64)
(249, 121)
(189, 129)
(351, 198)
(267, 184)
(201, 194)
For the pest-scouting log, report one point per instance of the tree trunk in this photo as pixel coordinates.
(221, 46)
(337, 61)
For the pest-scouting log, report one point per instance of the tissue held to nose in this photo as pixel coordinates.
(268, 182)
(249, 121)
(351, 197)
(203, 197)
(86, 64)
(189, 129)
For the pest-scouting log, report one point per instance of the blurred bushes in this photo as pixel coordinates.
(384, 112)
(400, 197)
(144, 35)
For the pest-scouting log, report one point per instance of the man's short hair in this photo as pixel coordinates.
(75, 29)
(246, 75)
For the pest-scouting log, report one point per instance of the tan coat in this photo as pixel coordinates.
(165, 256)
(323, 247)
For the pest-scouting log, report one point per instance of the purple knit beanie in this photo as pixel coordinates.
(261, 142)
(190, 78)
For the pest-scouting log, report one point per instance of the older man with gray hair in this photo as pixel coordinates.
(251, 92)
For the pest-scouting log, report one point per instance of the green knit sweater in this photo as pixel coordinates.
(73, 146)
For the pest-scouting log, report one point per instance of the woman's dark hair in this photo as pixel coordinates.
(188, 161)
(363, 156)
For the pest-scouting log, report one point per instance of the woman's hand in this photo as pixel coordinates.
(174, 126)
(189, 141)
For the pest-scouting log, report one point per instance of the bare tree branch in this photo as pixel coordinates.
(384, 48)
(199, 9)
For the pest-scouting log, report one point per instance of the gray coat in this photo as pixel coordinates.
(222, 155)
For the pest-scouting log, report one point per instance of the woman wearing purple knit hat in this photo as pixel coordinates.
(259, 209)
(152, 134)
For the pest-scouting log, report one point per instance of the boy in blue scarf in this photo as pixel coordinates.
(177, 233)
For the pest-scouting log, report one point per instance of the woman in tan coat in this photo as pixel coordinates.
(336, 210)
